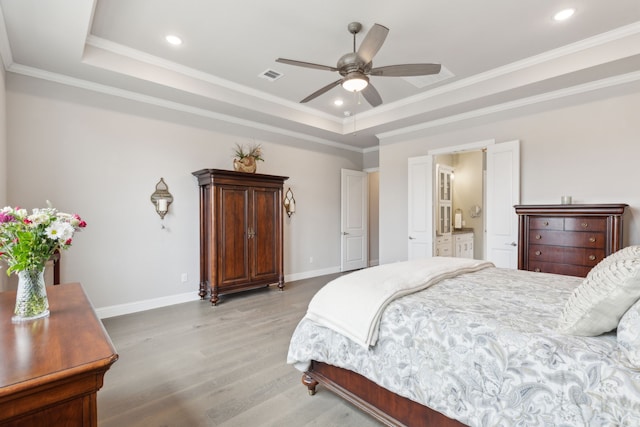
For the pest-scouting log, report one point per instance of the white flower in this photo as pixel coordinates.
(38, 217)
(59, 230)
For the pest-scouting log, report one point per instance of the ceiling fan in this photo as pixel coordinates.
(356, 67)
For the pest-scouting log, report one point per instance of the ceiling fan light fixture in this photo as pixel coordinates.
(355, 82)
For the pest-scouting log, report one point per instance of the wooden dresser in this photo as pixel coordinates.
(241, 242)
(52, 368)
(567, 239)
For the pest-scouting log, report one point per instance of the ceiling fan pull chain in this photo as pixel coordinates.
(355, 128)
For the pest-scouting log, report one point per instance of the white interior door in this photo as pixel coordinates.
(354, 223)
(420, 196)
(502, 192)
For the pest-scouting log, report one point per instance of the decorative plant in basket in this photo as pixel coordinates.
(27, 241)
(246, 159)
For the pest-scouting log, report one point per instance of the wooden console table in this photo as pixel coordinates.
(52, 368)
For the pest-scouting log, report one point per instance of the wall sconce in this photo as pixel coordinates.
(289, 203)
(161, 198)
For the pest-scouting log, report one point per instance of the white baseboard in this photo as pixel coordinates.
(309, 274)
(134, 307)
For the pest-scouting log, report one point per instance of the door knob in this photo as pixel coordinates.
(344, 233)
(412, 238)
(511, 244)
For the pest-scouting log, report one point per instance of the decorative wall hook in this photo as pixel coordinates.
(161, 198)
(289, 203)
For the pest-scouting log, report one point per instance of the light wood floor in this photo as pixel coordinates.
(193, 364)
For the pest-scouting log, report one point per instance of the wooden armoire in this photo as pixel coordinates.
(241, 243)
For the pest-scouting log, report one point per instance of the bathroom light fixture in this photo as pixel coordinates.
(161, 198)
(289, 203)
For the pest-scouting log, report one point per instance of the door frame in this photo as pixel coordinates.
(476, 146)
(462, 148)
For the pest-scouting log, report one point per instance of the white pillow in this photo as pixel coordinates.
(610, 288)
(629, 335)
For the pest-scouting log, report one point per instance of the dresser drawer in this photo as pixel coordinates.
(567, 238)
(585, 224)
(546, 223)
(567, 269)
(565, 255)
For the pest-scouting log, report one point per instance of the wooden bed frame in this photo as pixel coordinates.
(385, 406)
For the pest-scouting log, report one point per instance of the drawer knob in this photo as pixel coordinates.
(546, 223)
(538, 253)
(592, 239)
(538, 237)
(537, 270)
(592, 257)
(584, 225)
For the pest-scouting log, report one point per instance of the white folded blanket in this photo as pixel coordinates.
(353, 304)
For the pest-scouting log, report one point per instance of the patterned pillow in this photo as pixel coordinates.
(610, 288)
(629, 335)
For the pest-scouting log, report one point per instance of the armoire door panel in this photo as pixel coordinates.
(234, 252)
(267, 229)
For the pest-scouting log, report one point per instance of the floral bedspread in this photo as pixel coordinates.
(481, 348)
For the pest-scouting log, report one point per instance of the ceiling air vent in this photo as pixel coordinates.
(271, 75)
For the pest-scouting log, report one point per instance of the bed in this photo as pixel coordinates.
(476, 345)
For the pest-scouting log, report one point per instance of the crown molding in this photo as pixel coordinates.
(139, 56)
(579, 46)
(511, 105)
(135, 96)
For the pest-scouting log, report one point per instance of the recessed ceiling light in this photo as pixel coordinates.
(564, 14)
(338, 102)
(174, 40)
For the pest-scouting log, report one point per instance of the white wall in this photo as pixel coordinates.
(101, 157)
(3, 159)
(3, 139)
(589, 150)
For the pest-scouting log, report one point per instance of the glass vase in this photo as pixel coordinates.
(31, 298)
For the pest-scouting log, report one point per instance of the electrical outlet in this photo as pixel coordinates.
(184, 278)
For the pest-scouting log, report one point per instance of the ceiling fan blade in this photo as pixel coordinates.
(371, 95)
(321, 91)
(306, 64)
(406, 70)
(372, 42)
